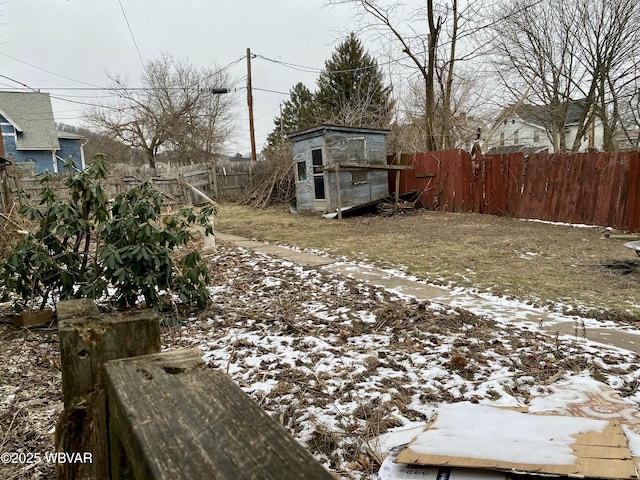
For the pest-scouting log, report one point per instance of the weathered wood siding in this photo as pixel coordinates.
(341, 145)
(590, 188)
(305, 193)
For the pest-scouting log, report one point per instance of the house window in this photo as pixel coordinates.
(536, 136)
(515, 137)
(301, 171)
(501, 138)
(318, 174)
(359, 177)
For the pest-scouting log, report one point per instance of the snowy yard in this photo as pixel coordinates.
(345, 366)
(340, 362)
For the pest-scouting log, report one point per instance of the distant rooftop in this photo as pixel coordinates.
(32, 116)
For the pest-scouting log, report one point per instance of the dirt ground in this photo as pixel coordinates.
(559, 266)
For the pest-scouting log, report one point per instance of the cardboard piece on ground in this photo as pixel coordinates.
(476, 436)
(389, 470)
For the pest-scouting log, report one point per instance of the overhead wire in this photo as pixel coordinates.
(132, 35)
(48, 71)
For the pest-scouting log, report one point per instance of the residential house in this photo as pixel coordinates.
(527, 128)
(336, 167)
(627, 139)
(29, 136)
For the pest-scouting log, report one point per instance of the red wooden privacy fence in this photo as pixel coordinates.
(590, 188)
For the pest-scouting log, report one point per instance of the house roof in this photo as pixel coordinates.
(541, 114)
(32, 116)
(70, 136)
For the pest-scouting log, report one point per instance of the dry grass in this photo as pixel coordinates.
(540, 263)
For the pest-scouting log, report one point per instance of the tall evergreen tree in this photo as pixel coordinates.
(351, 88)
(351, 92)
(298, 113)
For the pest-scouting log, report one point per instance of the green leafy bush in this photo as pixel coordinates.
(87, 246)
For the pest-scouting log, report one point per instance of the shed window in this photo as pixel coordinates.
(318, 174)
(316, 159)
(359, 176)
(318, 185)
(356, 149)
(301, 171)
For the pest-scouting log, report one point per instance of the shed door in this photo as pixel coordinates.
(318, 174)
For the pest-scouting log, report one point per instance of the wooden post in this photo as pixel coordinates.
(338, 194)
(183, 187)
(213, 180)
(171, 418)
(397, 202)
(87, 341)
(252, 132)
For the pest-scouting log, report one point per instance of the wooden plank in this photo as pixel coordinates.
(367, 166)
(174, 419)
(29, 318)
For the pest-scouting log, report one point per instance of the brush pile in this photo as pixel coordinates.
(277, 186)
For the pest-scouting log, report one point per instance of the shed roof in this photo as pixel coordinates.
(32, 116)
(323, 129)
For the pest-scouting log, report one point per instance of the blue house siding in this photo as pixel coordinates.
(29, 135)
(69, 148)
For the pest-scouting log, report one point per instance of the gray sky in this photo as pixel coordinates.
(42, 41)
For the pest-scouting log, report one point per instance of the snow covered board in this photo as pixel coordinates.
(476, 436)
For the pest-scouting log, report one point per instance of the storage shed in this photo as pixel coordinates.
(339, 166)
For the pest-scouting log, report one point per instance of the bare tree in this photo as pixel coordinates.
(610, 41)
(458, 130)
(435, 53)
(563, 51)
(538, 55)
(175, 109)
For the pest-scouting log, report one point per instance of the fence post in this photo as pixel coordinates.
(87, 341)
(186, 194)
(213, 180)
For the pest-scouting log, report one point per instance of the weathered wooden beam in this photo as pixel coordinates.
(170, 417)
(87, 341)
(70, 309)
(338, 193)
(368, 166)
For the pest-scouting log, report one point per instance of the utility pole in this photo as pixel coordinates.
(252, 131)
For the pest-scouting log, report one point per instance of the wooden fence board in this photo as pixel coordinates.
(591, 188)
(217, 182)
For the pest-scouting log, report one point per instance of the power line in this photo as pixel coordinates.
(131, 33)
(271, 91)
(47, 71)
(303, 68)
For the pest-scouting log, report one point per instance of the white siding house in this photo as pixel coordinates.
(527, 128)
